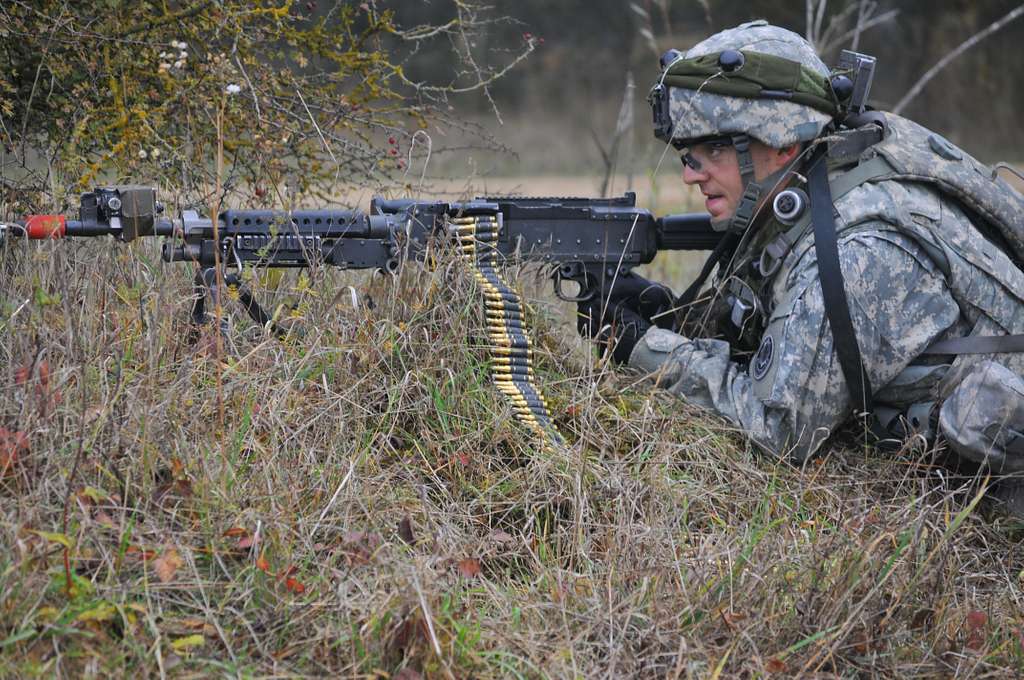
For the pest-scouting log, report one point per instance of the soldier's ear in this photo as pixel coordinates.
(788, 153)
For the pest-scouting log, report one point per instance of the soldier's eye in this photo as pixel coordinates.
(716, 150)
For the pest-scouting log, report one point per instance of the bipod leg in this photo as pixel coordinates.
(256, 312)
(205, 287)
(198, 316)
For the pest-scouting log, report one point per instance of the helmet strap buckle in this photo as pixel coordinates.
(746, 209)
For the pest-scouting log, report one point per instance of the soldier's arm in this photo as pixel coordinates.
(792, 395)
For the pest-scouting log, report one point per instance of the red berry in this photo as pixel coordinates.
(392, 140)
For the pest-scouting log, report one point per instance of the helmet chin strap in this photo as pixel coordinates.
(744, 212)
(753, 190)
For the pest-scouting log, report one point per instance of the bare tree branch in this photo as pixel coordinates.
(836, 33)
(864, 9)
(960, 49)
(863, 25)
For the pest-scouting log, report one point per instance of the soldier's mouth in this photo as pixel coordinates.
(713, 202)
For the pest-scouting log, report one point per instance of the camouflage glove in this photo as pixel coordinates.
(619, 315)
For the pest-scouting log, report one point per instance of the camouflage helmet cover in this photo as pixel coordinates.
(777, 123)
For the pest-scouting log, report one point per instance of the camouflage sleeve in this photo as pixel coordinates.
(792, 395)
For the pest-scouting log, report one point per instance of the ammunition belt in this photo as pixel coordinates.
(510, 348)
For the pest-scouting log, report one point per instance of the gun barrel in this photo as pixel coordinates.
(689, 231)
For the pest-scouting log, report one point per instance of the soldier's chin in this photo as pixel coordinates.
(721, 224)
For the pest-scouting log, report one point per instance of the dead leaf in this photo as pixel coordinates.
(262, 564)
(358, 546)
(502, 537)
(469, 567)
(733, 618)
(921, 618)
(775, 665)
(174, 490)
(294, 585)
(192, 623)
(861, 642)
(236, 531)
(463, 458)
(13, 444)
(408, 674)
(167, 564)
(144, 555)
(246, 542)
(405, 530)
(104, 519)
(976, 621)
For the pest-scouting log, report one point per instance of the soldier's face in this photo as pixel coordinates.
(714, 168)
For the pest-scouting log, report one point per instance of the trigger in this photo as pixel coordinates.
(562, 295)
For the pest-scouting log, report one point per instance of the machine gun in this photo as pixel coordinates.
(587, 241)
(584, 240)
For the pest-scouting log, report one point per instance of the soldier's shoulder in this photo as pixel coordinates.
(888, 204)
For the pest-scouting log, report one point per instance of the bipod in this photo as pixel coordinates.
(206, 286)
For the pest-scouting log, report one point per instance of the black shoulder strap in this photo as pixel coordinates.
(837, 308)
(978, 344)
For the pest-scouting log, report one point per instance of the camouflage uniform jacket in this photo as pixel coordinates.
(916, 271)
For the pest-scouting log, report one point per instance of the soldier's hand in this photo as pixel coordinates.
(651, 302)
(621, 333)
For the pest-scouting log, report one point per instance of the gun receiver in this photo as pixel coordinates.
(584, 240)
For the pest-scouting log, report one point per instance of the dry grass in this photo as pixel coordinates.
(357, 502)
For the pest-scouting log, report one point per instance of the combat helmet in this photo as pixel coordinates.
(754, 81)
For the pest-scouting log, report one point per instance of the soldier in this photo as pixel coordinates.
(848, 282)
